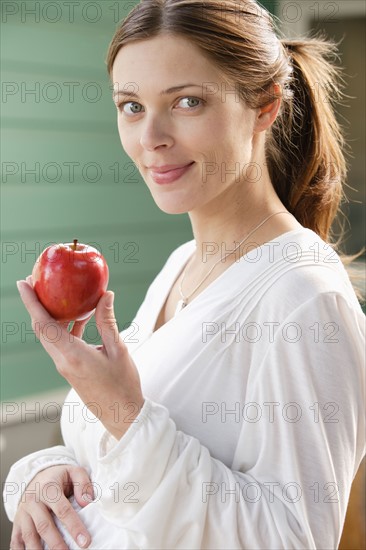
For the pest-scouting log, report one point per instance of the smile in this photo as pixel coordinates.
(169, 176)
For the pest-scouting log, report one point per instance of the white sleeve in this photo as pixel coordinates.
(289, 484)
(24, 470)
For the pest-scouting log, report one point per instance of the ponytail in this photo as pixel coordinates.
(306, 148)
(305, 151)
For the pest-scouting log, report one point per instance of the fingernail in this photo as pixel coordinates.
(87, 498)
(110, 299)
(81, 540)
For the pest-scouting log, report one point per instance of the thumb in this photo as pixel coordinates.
(83, 487)
(107, 324)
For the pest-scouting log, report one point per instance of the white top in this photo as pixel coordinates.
(253, 425)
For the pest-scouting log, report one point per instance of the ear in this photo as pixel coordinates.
(268, 114)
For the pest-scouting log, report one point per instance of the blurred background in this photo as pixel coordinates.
(65, 176)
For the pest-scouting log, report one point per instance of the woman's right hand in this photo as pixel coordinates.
(33, 521)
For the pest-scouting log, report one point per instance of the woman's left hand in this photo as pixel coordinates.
(105, 377)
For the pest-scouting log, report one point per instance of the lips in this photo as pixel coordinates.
(169, 173)
(163, 169)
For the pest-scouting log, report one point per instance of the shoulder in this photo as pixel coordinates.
(181, 253)
(296, 271)
(304, 267)
(172, 265)
(175, 260)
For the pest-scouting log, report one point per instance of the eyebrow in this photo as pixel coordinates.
(171, 90)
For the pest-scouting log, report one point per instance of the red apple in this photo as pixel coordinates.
(69, 280)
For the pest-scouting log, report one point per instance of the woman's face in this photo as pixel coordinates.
(202, 127)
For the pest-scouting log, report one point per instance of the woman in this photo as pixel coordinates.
(235, 418)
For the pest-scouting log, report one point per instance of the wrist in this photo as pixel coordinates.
(123, 417)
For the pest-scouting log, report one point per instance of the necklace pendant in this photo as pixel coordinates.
(180, 305)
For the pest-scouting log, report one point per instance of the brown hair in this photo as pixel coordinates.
(305, 147)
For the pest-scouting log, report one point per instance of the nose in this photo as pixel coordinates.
(156, 133)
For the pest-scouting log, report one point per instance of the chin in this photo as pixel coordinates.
(172, 209)
(171, 206)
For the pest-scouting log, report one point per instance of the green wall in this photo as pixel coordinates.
(65, 175)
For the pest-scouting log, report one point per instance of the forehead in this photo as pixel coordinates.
(163, 61)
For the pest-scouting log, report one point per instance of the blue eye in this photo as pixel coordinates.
(134, 107)
(130, 108)
(190, 99)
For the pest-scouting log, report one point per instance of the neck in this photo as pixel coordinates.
(220, 226)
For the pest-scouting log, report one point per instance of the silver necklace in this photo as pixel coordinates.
(184, 299)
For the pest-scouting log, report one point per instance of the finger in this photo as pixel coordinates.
(52, 334)
(31, 302)
(29, 533)
(29, 280)
(16, 541)
(47, 329)
(82, 485)
(79, 327)
(71, 520)
(107, 325)
(46, 529)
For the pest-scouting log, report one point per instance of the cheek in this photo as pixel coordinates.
(219, 134)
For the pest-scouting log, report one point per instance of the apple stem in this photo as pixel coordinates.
(74, 246)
